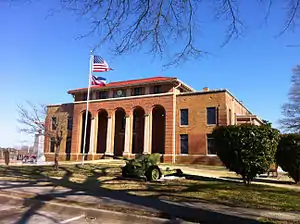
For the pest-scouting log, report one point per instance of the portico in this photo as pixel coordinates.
(120, 132)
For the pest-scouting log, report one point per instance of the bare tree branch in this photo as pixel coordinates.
(293, 13)
(168, 27)
(291, 110)
(228, 10)
(268, 10)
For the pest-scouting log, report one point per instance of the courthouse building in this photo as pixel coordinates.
(152, 115)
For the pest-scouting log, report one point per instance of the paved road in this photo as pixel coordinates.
(15, 211)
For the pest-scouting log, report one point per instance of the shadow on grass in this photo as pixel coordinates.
(92, 186)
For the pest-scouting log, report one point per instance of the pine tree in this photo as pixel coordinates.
(291, 110)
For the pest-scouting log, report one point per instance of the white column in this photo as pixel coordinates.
(93, 95)
(92, 136)
(40, 148)
(95, 139)
(147, 90)
(128, 92)
(128, 135)
(146, 134)
(150, 133)
(110, 93)
(109, 140)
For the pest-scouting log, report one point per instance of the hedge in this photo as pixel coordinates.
(246, 149)
(288, 155)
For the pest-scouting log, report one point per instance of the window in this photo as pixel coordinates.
(157, 89)
(184, 144)
(70, 123)
(137, 91)
(211, 149)
(211, 115)
(52, 144)
(184, 117)
(68, 144)
(84, 96)
(53, 123)
(102, 95)
(230, 117)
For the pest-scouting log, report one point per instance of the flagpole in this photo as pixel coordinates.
(87, 107)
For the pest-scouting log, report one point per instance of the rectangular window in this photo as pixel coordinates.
(230, 117)
(211, 149)
(84, 96)
(184, 144)
(211, 115)
(53, 123)
(70, 123)
(68, 144)
(102, 95)
(157, 89)
(184, 117)
(138, 91)
(52, 144)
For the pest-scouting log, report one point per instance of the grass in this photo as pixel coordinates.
(193, 188)
(271, 221)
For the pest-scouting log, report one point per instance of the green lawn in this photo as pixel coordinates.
(193, 188)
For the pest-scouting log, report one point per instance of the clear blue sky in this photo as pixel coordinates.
(41, 59)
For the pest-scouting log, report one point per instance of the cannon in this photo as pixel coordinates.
(143, 166)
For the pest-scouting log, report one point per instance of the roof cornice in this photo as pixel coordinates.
(115, 85)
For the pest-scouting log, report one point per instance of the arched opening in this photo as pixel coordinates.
(119, 139)
(88, 132)
(102, 131)
(138, 130)
(68, 148)
(158, 129)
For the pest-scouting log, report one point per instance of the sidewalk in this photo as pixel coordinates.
(119, 201)
(282, 180)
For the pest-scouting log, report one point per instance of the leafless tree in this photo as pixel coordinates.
(33, 119)
(291, 110)
(171, 28)
(130, 24)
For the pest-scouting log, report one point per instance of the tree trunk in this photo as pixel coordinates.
(244, 179)
(6, 157)
(56, 157)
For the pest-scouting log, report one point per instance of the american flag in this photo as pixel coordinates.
(99, 81)
(100, 65)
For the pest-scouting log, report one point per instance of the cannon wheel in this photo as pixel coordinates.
(153, 174)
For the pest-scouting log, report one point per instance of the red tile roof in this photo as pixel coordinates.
(128, 82)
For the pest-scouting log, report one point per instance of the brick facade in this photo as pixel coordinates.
(171, 98)
(147, 103)
(197, 127)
